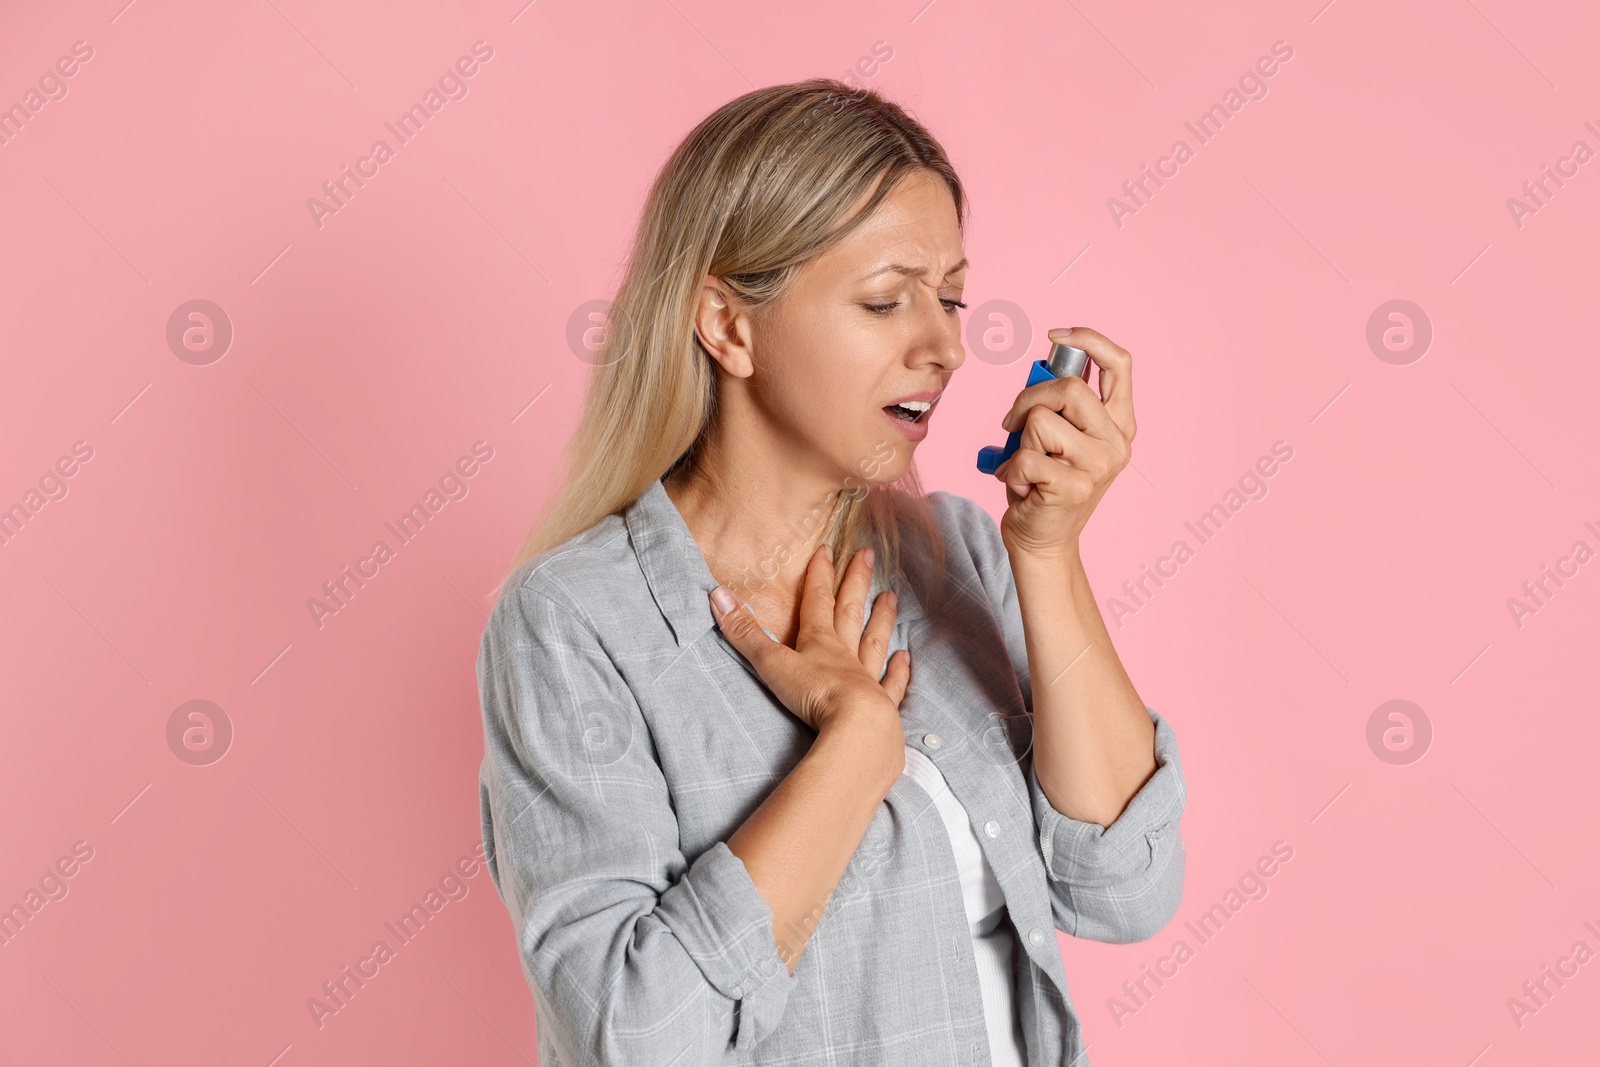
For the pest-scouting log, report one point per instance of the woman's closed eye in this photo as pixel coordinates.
(884, 309)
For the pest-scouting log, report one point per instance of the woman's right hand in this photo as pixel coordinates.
(832, 674)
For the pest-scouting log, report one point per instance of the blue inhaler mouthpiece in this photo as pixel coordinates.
(1064, 360)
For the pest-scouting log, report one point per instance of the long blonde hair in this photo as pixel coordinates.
(758, 188)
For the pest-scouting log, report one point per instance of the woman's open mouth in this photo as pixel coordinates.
(910, 416)
(910, 410)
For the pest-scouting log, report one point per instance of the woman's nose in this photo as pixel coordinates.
(940, 340)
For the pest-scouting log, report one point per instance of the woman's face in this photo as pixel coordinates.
(870, 323)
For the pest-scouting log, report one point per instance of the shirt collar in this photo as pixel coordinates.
(676, 571)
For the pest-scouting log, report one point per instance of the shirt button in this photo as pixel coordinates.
(991, 828)
(1036, 936)
(932, 740)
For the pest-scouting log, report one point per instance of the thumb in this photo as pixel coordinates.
(739, 625)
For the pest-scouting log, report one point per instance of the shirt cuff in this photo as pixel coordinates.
(725, 925)
(1087, 854)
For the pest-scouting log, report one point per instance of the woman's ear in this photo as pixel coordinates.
(724, 328)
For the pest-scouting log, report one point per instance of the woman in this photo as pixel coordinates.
(746, 806)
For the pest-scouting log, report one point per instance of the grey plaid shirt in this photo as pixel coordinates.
(626, 741)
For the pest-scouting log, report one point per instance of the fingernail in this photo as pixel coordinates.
(894, 598)
(722, 600)
(827, 553)
(868, 555)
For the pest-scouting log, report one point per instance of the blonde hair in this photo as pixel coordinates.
(758, 188)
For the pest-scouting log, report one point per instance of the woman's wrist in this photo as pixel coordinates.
(1060, 576)
(872, 743)
(1064, 553)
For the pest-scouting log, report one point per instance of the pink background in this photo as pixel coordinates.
(372, 352)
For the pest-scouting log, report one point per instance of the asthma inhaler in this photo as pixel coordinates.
(1064, 361)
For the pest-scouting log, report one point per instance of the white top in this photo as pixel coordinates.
(994, 942)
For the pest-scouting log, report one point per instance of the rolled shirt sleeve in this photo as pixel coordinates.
(1122, 882)
(1116, 883)
(639, 956)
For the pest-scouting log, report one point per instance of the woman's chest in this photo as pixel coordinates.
(724, 742)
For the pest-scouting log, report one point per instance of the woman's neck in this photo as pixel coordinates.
(757, 528)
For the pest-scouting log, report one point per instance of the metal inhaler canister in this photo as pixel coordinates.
(1063, 361)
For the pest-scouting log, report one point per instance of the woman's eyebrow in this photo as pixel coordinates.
(914, 272)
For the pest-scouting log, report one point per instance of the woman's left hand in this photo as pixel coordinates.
(1073, 444)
